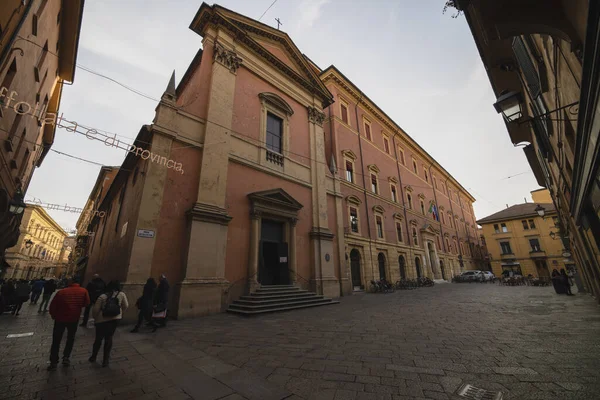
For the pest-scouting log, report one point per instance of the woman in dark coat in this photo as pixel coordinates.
(161, 302)
(144, 304)
(559, 288)
(564, 278)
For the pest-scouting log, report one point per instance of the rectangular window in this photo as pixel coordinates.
(40, 64)
(386, 145)
(374, 183)
(426, 175)
(8, 78)
(535, 245)
(379, 227)
(34, 25)
(505, 247)
(40, 10)
(401, 155)
(531, 224)
(354, 219)
(274, 133)
(496, 228)
(443, 217)
(422, 207)
(344, 111)
(415, 167)
(525, 225)
(435, 182)
(394, 196)
(368, 130)
(24, 164)
(399, 231)
(504, 228)
(409, 201)
(349, 172)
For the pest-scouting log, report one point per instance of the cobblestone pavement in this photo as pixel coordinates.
(526, 342)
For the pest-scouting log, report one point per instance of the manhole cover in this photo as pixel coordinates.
(474, 393)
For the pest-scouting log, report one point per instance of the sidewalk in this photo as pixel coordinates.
(143, 366)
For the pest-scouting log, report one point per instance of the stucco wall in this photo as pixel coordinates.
(242, 181)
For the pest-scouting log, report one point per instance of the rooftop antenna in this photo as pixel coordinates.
(278, 23)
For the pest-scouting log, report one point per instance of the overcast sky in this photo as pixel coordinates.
(420, 66)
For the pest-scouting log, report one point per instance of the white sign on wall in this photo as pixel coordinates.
(145, 233)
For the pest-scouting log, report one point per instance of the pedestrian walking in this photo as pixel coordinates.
(144, 304)
(7, 292)
(565, 282)
(36, 290)
(557, 282)
(95, 288)
(160, 304)
(21, 295)
(107, 313)
(49, 288)
(65, 310)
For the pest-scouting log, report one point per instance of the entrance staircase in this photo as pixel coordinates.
(275, 298)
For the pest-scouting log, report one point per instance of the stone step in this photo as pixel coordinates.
(280, 291)
(261, 306)
(281, 308)
(254, 301)
(269, 287)
(276, 296)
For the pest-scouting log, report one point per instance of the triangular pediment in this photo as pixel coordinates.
(428, 228)
(275, 197)
(272, 44)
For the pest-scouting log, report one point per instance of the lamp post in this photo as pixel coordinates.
(540, 210)
(17, 205)
(510, 105)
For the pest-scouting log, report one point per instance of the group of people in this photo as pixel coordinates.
(561, 282)
(14, 293)
(105, 302)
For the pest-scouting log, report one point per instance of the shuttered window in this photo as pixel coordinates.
(527, 67)
(274, 132)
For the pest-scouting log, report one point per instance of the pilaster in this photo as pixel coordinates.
(201, 291)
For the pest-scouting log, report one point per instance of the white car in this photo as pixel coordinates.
(488, 276)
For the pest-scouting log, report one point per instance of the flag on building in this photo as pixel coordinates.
(433, 211)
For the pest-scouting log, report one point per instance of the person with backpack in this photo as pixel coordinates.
(108, 312)
(36, 290)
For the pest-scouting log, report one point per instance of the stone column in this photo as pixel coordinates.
(292, 251)
(255, 218)
(201, 291)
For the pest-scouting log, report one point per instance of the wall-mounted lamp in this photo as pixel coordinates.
(17, 205)
(510, 104)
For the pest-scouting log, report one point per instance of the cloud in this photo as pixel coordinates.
(309, 13)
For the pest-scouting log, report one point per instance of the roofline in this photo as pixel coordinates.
(41, 210)
(414, 142)
(103, 170)
(487, 220)
(76, 51)
(189, 72)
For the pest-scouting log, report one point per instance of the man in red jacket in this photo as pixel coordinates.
(65, 310)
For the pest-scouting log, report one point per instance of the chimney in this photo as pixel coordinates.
(507, 206)
(525, 198)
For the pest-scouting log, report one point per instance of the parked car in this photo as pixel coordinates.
(488, 276)
(471, 276)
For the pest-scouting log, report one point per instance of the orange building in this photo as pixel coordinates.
(262, 169)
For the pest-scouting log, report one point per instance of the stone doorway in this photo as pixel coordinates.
(355, 269)
(418, 266)
(402, 266)
(442, 268)
(381, 262)
(273, 260)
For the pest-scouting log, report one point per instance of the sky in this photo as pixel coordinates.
(418, 65)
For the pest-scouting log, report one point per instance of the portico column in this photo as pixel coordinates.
(292, 255)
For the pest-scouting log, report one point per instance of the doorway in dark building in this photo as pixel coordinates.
(273, 268)
(381, 260)
(442, 268)
(402, 265)
(355, 269)
(418, 266)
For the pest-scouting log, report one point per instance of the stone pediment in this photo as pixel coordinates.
(273, 45)
(275, 198)
(428, 228)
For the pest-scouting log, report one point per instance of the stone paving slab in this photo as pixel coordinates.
(526, 342)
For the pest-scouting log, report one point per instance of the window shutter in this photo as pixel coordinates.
(527, 67)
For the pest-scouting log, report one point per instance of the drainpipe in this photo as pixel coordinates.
(8, 47)
(457, 231)
(362, 162)
(408, 235)
(332, 155)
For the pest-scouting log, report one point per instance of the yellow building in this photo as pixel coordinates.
(519, 240)
(40, 250)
